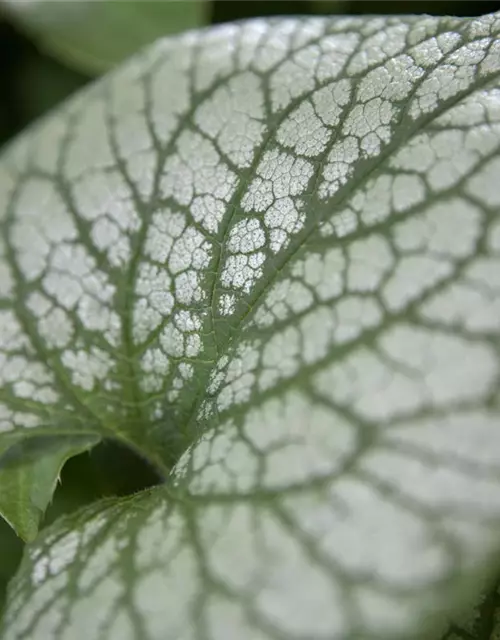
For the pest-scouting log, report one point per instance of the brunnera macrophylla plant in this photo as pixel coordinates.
(267, 257)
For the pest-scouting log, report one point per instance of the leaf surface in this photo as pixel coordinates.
(267, 257)
(95, 35)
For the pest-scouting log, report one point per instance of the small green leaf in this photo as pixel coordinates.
(266, 256)
(94, 35)
(28, 476)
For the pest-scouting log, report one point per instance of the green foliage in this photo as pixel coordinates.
(94, 35)
(28, 474)
(265, 256)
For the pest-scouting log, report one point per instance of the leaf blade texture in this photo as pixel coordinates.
(271, 255)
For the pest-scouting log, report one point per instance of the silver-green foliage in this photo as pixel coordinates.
(266, 255)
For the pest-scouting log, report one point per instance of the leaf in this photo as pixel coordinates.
(95, 35)
(30, 464)
(28, 476)
(266, 255)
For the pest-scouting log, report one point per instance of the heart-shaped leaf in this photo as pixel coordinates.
(266, 255)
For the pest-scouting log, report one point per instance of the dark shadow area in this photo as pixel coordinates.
(109, 469)
(10, 55)
(11, 549)
(431, 7)
(226, 11)
(31, 83)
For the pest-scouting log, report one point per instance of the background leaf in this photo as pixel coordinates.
(94, 35)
